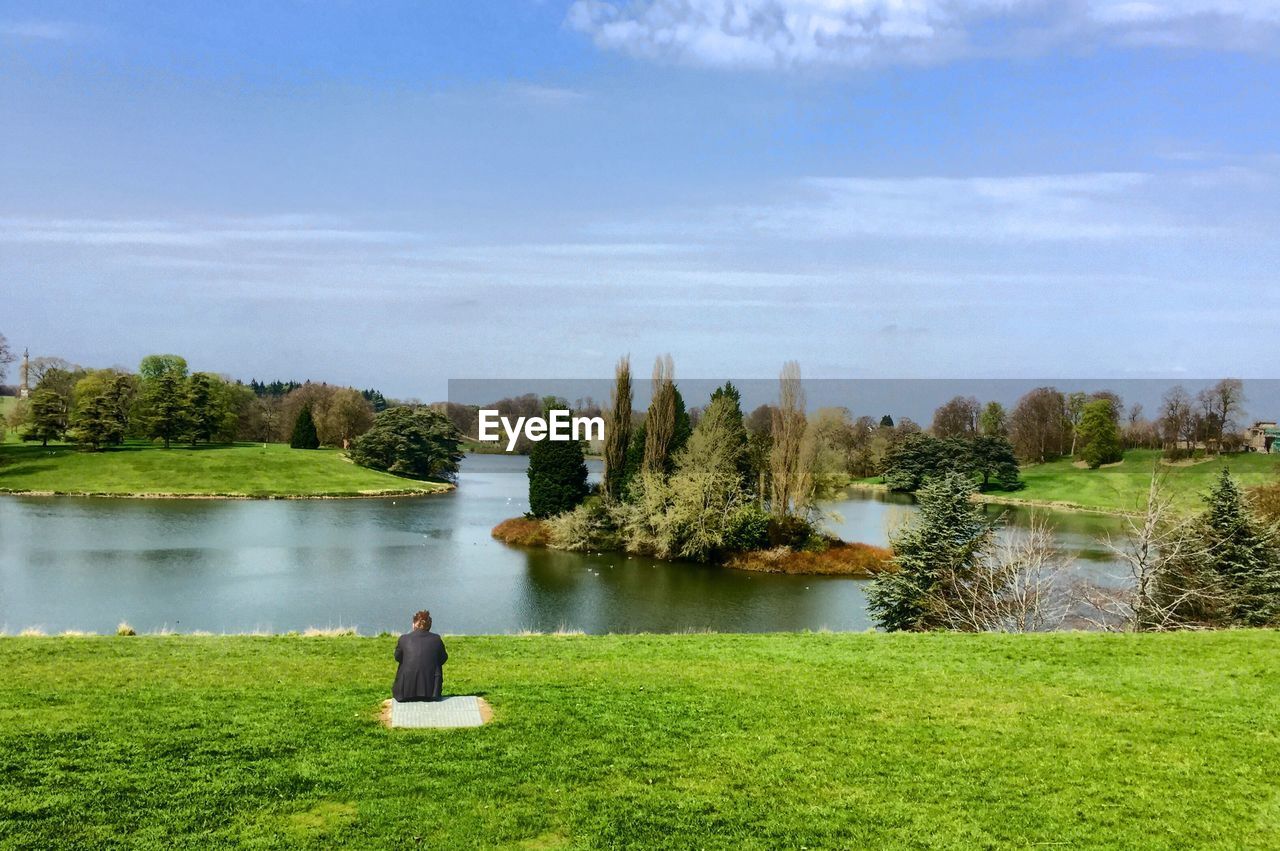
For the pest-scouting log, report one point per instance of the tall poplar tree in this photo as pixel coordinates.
(660, 422)
(617, 434)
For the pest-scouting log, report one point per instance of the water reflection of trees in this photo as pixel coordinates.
(614, 593)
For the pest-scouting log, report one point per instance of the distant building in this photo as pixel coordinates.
(1263, 437)
(24, 385)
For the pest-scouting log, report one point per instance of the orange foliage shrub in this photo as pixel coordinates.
(522, 532)
(840, 559)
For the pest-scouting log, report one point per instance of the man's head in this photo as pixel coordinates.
(422, 620)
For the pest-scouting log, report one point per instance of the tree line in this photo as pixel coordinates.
(988, 442)
(167, 402)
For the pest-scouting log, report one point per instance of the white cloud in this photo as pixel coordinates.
(545, 95)
(36, 30)
(862, 33)
(213, 232)
(1088, 207)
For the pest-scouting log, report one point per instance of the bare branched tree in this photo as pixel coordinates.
(1152, 547)
(787, 456)
(1015, 586)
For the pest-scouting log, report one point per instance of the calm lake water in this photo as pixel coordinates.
(72, 563)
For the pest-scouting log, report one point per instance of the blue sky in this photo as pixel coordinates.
(399, 193)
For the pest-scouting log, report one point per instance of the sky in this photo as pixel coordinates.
(396, 194)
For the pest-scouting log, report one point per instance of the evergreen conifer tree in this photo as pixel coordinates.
(557, 477)
(945, 544)
(304, 431)
(1241, 556)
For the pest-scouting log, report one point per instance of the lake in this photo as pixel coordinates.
(242, 565)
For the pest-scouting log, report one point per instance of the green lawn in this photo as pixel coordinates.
(713, 741)
(243, 469)
(7, 433)
(1124, 486)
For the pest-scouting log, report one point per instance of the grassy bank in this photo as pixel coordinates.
(1122, 487)
(1067, 740)
(239, 470)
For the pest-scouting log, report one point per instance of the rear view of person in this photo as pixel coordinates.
(421, 655)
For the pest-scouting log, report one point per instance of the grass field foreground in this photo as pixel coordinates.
(237, 470)
(711, 741)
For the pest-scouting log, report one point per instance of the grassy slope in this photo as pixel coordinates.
(1124, 486)
(1066, 740)
(6, 405)
(242, 469)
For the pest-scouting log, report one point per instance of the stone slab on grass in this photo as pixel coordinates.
(455, 711)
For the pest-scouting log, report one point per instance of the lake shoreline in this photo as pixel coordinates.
(1012, 501)
(442, 488)
(844, 559)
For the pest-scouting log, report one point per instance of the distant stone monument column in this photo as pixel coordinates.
(24, 388)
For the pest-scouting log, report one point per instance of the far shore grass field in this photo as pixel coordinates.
(1122, 487)
(1070, 740)
(235, 470)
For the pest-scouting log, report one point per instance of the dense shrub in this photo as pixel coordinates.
(415, 442)
(841, 559)
(748, 529)
(1266, 501)
(587, 528)
(917, 457)
(792, 532)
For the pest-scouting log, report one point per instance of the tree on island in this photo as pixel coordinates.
(418, 443)
(660, 423)
(304, 431)
(617, 435)
(557, 477)
(789, 474)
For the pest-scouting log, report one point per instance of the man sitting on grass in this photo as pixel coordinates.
(421, 654)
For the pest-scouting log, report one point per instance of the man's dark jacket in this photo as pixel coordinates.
(420, 654)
